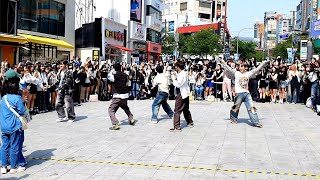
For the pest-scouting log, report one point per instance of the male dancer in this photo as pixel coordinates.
(180, 81)
(120, 91)
(161, 80)
(242, 93)
(65, 93)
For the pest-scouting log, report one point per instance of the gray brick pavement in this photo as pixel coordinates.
(289, 142)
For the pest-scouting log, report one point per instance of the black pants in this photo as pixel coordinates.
(76, 93)
(182, 105)
(253, 88)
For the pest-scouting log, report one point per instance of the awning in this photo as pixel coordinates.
(12, 38)
(122, 48)
(47, 41)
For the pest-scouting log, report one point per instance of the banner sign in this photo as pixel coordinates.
(315, 31)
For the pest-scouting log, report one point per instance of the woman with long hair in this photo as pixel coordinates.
(282, 76)
(294, 83)
(52, 81)
(31, 87)
(262, 85)
(273, 83)
(226, 86)
(199, 86)
(209, 84)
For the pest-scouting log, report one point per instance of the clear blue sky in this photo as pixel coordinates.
(244, 13)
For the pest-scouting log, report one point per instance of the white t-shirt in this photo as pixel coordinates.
(242, 81)
(162, 81)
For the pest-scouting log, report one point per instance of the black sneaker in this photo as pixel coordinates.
(132, 122)
(115, 127)
(190, 125)
(176, 129)
(258, 125)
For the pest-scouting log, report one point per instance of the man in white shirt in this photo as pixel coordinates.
(162, 82)
(242, 91)
(180, 81)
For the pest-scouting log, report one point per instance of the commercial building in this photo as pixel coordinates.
(179, 13)
(48, 26)
(270, 30)
(9, 41)
(284, 27)
(103, 39)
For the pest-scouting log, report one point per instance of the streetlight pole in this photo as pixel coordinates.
(238, 39)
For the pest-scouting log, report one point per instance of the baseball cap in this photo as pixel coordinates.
(11, 74)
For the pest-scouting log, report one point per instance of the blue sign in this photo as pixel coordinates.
(284, 36)
(171, 26)
(315, 31)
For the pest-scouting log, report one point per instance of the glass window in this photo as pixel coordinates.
(45, 16)
(183, 6)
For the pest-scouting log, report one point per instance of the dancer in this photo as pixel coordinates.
(65, 94)
(120, 91)
(180, 81)
(162, 82)
(242, 93)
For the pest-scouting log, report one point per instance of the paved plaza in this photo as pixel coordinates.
(287, 147)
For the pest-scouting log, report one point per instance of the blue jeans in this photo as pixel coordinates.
(21, 159)
(315, 93)
(252, 111)
(10, 147)
(199, 91)
(161, 99)
(135, 89)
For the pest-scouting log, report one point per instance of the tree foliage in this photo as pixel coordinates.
(202, 43)
(246, 49)
(169, 45)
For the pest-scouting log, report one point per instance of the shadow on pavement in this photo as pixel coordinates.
(126, 122)
(80, 118)
(46, 154)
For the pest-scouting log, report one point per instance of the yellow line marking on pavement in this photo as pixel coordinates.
(176, 167)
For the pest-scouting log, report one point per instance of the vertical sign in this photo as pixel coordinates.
(136, 10)
(290, 54)
(304, 50)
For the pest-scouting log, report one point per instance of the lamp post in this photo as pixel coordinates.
(238, 39)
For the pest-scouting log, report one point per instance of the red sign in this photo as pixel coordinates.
(116, 35)
(154, 47)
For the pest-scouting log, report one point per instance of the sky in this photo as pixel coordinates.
(244, 13)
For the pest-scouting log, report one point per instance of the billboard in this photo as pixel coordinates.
(138, 31)
(315, 31)
(136, 10)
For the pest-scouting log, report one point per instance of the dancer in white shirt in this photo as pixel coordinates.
(242, 93)
(180, 81)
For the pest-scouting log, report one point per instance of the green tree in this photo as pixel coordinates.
(246, 49)
(204, 43)
(169, 45)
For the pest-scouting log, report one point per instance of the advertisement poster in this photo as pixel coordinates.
(138, 31)
(135, 10)
(315, 31)
(290, 54)
(171, 26)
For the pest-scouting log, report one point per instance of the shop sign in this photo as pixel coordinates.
(138, 31)
(154, 47)
(119, 36)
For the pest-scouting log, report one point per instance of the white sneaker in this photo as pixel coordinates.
(70, 121)
(13, 171)
(62, 119)
(4, 170)
(21, 169)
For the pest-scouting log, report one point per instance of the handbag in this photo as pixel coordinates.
(23, 119)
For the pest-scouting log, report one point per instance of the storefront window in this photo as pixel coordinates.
(45, 16)
(153, 12)
(153, 36)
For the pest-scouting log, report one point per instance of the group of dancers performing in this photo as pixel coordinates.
(179, 77)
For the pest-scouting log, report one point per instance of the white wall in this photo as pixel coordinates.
(118, 10)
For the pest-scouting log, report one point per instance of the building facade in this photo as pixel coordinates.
(270, 30)
(48, 26)
(179, 13)
(284, 27)
(9, 41)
